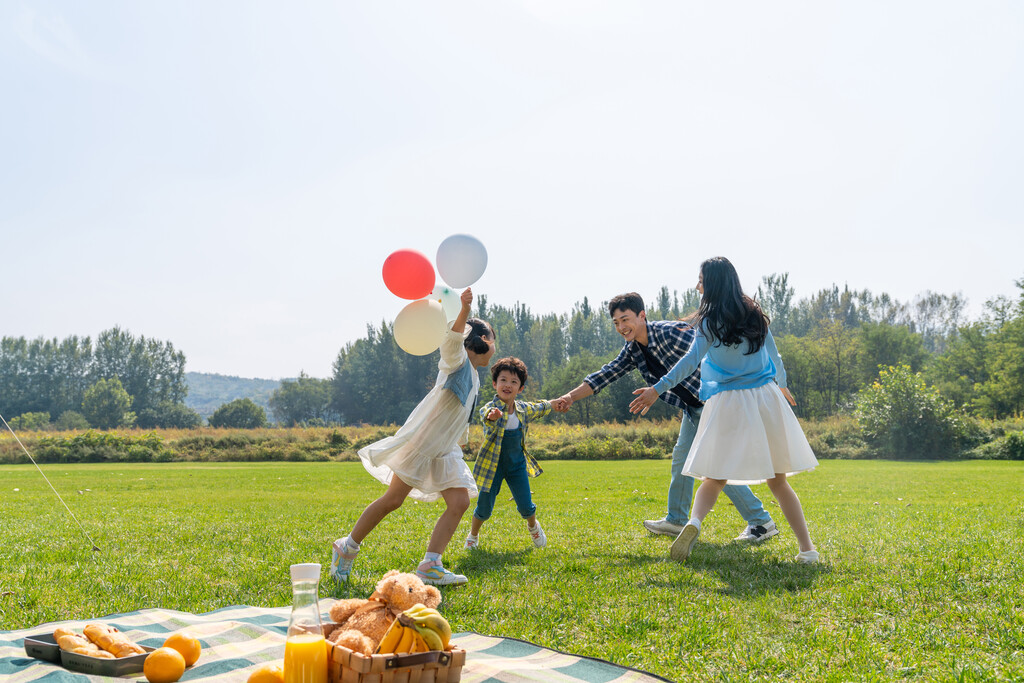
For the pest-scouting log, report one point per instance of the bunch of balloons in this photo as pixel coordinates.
(421, 326)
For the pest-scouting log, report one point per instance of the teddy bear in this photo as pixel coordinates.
(360, 624)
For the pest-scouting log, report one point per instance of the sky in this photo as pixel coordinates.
(230, 176)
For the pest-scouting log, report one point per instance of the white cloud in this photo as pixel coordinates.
(51, 37)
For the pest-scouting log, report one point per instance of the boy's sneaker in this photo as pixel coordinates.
(540, 539)
(341, 560)
(472, 542)
(435, 574)
(681, 547)
(663, 527)
(807, 557)
(758, 533)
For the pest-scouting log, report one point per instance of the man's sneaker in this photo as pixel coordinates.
(435, 574)
(540, 539)
(758, 533)
(807, 557)
(341, 561)
(681, 547)
(472, 542)
(663, 527)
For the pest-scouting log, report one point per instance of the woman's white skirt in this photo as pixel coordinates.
(748, 436)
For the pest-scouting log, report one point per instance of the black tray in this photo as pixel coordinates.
(45, 647)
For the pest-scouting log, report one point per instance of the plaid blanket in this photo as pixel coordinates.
(237, 639)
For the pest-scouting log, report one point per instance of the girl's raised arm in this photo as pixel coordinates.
(467, 301)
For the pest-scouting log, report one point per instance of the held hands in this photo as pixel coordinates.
(561, 404)
(645, 398)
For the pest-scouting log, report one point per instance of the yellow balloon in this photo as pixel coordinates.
(420, 327)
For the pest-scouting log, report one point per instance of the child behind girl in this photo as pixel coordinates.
(747, 434)
(423, 459)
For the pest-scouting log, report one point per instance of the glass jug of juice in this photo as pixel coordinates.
(305, 650)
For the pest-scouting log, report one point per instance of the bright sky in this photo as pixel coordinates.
(230, 175)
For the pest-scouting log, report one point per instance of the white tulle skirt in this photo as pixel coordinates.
(427, 476)
(747, 436)
(424, 452)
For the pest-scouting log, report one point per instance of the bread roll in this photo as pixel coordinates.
(112, 640)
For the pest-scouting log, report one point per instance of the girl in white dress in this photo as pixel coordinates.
(747, 434)
(423, 460)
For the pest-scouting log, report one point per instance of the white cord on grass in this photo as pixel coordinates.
(94, 546)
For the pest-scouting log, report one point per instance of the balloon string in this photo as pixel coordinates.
(94, 546)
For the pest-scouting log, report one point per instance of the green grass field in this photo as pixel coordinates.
(921, 579)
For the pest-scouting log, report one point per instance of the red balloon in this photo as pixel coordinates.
(408, 274)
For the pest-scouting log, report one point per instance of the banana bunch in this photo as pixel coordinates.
(431, 625)
(417, 629)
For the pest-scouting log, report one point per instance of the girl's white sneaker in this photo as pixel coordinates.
(680, 548)
(540, 539)
(807, 557)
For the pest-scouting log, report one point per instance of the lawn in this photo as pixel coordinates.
(921, 578)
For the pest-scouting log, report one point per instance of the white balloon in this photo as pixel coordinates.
(449, 299)
(461, 260)
(420, 327)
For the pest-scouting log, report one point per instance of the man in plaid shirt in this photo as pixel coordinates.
(652, 347)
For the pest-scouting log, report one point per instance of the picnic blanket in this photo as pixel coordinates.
(238, 639)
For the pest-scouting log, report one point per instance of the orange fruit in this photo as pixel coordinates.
(188, 646)
(164, 665)
(267, 673)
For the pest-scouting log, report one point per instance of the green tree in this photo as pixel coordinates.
(963, 369)
(151, 371)
(70, 420)
(106, 405)
(241, 413)
(881, 344)
(983, 364)
(303, 400)
(170, 415)
(901, 416)
(776, 300)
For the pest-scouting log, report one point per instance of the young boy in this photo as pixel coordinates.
(503, 455)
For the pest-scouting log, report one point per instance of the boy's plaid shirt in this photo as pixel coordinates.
(668, 341)
(487, 459)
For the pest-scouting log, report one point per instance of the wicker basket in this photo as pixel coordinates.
(436, 666)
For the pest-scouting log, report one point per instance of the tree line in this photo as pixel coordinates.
(835, 343)
(118, 380)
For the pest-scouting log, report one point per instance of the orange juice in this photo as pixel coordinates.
(305, 659)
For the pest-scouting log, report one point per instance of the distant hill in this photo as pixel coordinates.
(207, 391)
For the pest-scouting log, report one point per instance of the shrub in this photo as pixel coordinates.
(838, 437)
(1008, 447)
(901, 416)
(93, 446)
(376, 436)
(338, 440)
(30, 422)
